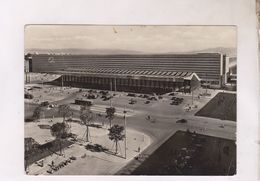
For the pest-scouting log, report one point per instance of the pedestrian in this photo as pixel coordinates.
(139, 149)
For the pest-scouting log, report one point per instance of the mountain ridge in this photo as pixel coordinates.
(80, 51)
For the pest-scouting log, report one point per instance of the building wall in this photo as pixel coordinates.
(126, 84)
(208, 66)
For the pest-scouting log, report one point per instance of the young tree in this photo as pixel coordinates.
(116, 134)
(37, 113)
(86, 116)
(100, 117)
(110, 114)
(60, 132)
(65, 111)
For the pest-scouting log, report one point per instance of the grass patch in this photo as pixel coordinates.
(222, 106)
(187, 153)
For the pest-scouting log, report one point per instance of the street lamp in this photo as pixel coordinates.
(125, 129)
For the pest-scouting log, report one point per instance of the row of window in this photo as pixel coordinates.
(124, 82)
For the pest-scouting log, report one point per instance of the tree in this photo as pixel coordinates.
(100, 117)
(60, 132)
(86, 116)
(65, 111)
(110, 114)
(37, 113)
(116, 134)
(30, 145)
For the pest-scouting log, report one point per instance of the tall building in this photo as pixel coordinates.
(211, 68)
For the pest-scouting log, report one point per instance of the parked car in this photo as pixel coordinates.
(51, 106)
(173, 98)
(103, 93)
(171, 94)
(28, 96)
(181, 121)
(131, 94)
(29, 120)
(91, 96)
(132, 101)
(147, 102)
(106, 98)
(174, 103)
(176, 100)
(145, 96)
(45, 103)
(152, 98)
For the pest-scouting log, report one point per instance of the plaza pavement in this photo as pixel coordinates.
(87, 163)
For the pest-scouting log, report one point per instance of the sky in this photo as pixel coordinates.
(146, 39)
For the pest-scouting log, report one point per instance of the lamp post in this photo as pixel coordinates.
(111, 89)
(125, 129)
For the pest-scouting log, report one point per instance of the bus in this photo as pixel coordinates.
(83, 102)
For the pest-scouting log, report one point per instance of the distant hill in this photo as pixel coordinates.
(229, 51)
(82, 51)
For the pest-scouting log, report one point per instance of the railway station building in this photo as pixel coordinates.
(211, 68)
(129, 80)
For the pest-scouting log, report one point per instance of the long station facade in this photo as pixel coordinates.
(212, 68)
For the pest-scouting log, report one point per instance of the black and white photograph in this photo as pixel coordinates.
(130, 100)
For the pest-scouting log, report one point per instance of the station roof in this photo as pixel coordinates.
(134, 74)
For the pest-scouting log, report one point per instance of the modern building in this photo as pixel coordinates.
(129, 80)
(212, 68)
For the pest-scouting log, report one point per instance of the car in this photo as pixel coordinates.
(91, 96)
(45, 103)
(106, 98)
(174, 103)
(29, 120)
(145, 96)
(73, 158)
(103, 97)
(147, 102)
(131, 95)
(132, 101)
(152, 98)
(28, 96)
(173, 98)
(51, 106)
(103, 93)
(181, 121)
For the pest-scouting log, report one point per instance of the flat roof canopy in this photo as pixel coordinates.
(133, 74)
